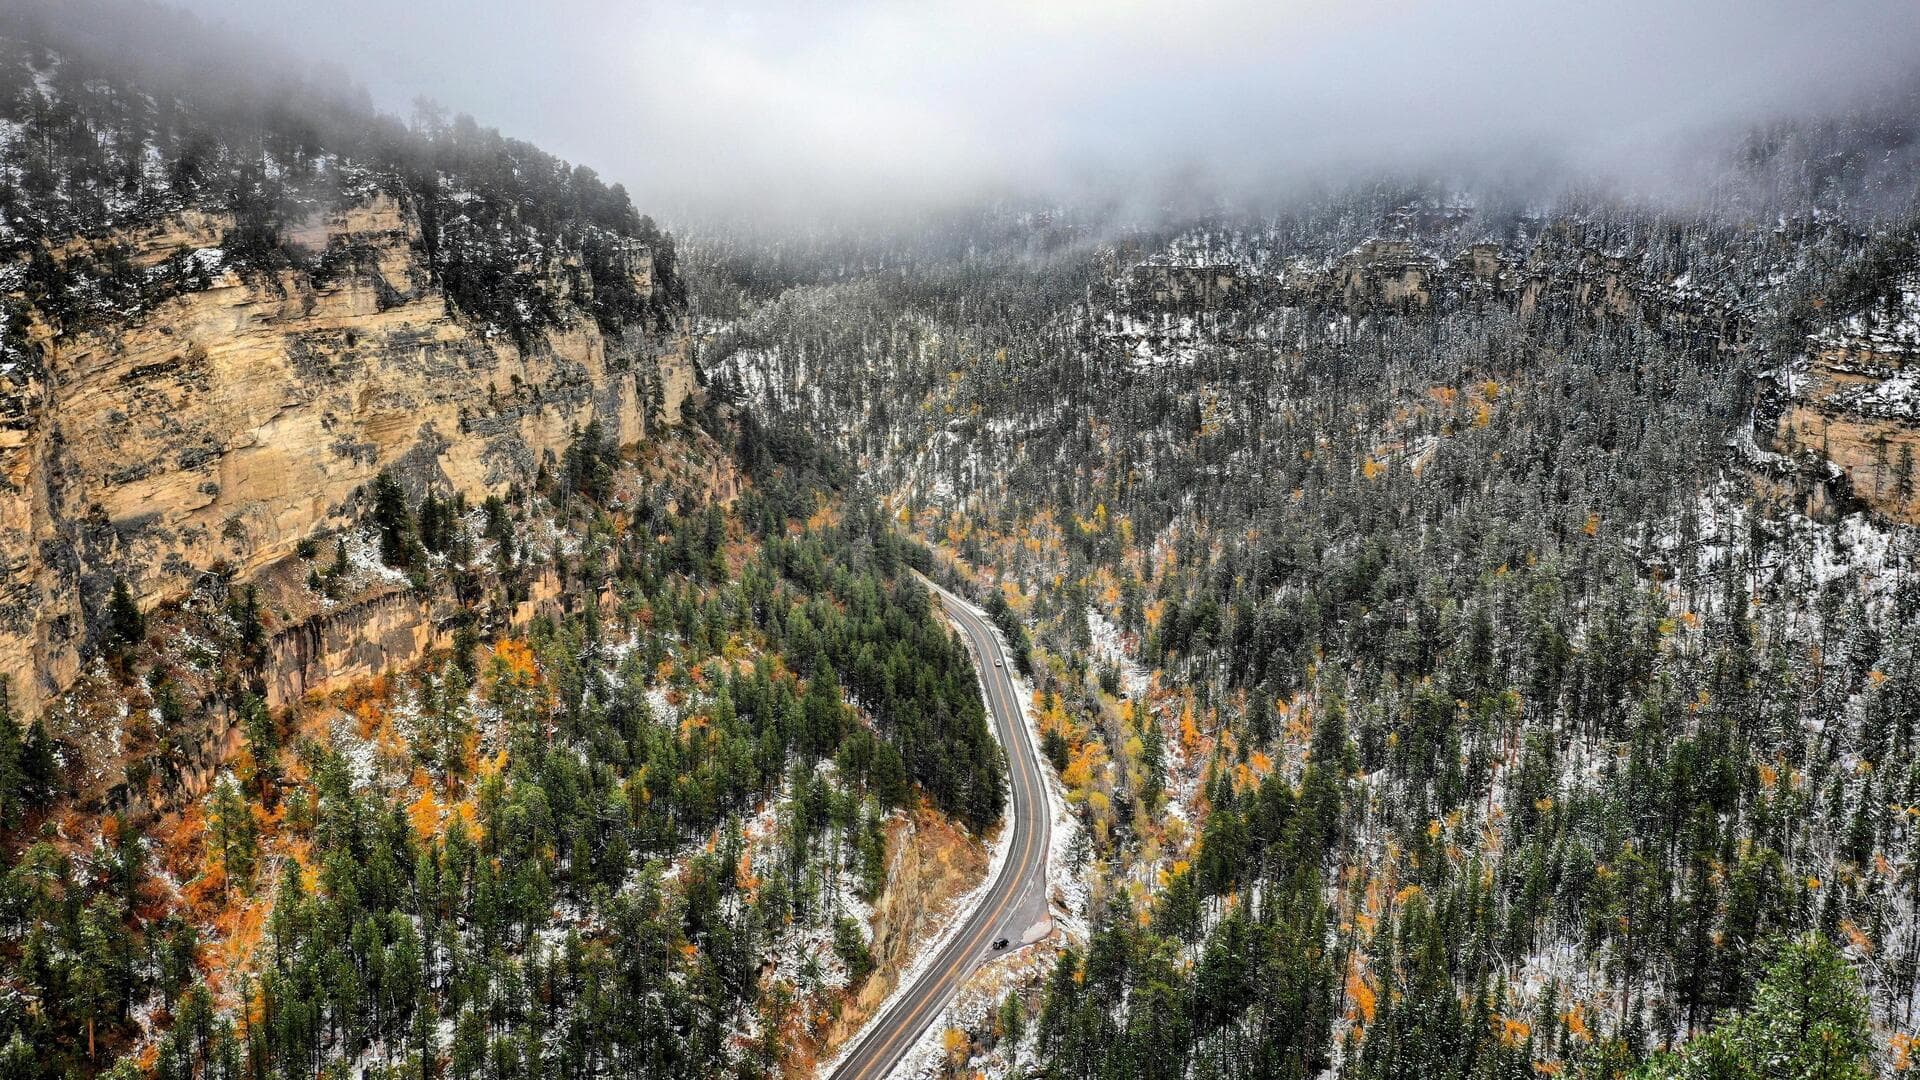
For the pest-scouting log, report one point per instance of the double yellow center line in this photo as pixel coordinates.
(876, 1057)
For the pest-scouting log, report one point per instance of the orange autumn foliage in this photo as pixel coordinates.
(1080, 767)
(424, 812)
(515, 657)
(1365, 1000)
(1902, 1046)
(1190, 736)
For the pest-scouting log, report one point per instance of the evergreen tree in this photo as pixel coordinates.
(126, 625)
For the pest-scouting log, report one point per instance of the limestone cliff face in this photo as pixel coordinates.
(1848, 413)
(1563, 274)
(1856, 406)
(219, 426)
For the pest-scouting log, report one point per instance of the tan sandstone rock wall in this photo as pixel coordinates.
(1856, 407)
(223, 426)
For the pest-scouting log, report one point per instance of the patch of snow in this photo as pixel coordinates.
(1880, 329)
(363, 559)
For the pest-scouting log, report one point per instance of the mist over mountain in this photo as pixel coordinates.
(740, 109)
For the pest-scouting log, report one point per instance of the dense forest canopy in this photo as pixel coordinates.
(568, 852)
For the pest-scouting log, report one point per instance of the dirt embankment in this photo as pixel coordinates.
(931, 864)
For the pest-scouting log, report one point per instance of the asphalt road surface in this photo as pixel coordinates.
(1013, 907)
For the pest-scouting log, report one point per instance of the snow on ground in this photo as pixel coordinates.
(664, 710)
(1067, 904)
(1801, 555)
(361, 757)
(1109, 647)
(1896, 397)
(1880, 329)
(363, 558)
(802, 953)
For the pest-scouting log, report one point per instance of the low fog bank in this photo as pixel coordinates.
(863, 114)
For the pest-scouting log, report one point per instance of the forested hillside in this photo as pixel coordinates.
(642, 833)
(408, 671)
(1476, 632)
(234, 292)
(120, 114)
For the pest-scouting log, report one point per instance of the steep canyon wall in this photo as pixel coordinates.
(221, 425)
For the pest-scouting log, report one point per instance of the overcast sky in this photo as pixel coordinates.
(887, 102)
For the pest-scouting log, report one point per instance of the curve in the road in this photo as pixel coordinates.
(888, 1038)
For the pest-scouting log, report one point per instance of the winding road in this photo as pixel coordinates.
(1013, 907)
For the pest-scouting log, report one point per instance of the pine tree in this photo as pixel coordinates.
(15, 785)
(1011, 1020)
(1808, 1021)
(231, 837)
(126, 625)
(399, 541)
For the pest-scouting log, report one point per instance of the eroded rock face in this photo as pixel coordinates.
(1859, 407)
(221, 426)
(1852, 403)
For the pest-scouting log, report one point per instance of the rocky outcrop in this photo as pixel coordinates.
(1206, 287)
(1391, 272)
(1858, 408)
(224, 422)
(358, 641)
(1560, 273)
(387, 626)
